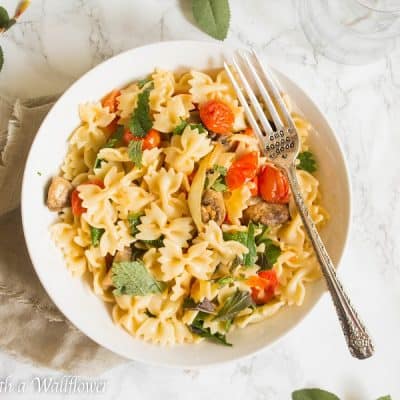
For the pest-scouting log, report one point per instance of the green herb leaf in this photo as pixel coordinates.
(385, 398)
(271, 253)
(141, 122)
(4, 18)
(226, 280)
(219, 185)
(199, 127)
(197, 328)
(95, 235)
(134, 221)
(112, 141)
(135, 152)
(205, 305)
(235, 303)
(247, 239)
(212, 16)
(313, 394)
(178, 130)
(1, 58)
(143, 82)
(133, 278)
(220, 169)
(157, 243)
(307, 162)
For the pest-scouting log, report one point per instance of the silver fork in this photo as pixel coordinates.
(281, 146)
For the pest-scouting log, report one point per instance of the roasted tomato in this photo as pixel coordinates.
(242, 170)
(217, 116)
(273, 185)
(263, 286)
(151, 140)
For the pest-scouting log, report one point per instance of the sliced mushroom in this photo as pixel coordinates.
(59, 192)
(213, 207)
(120, 256)
(266, 213)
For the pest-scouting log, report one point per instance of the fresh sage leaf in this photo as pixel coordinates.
(205, 305)
(212, 16)
(197, 327)
(313, 394)
(235, 303)
(133, 278)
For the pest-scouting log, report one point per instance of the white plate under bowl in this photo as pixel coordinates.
(73, 297)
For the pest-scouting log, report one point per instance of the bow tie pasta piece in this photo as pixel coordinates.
(164, 86)
(176, 109)
(186, 149)
(127, 101)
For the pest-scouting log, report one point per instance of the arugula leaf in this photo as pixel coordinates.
(178, 130)
(4, 18)
(135, 152)
(197, 328)
(313, 394)
(247, 239)
(141, 122)
(134, 221)
(205, 305)
(307, 162)
(225, 280)
(212, 16)
(143, 82)
(112, 141)
(133, 278)
(1, 58)
(95, 235)
(235, 303)
(271, 253)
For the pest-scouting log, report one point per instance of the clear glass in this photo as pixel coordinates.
(351, 31)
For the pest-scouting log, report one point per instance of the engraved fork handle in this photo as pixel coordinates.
(357, 338)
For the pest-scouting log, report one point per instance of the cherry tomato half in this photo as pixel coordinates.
(110, 100)
(151, 140)
(242, 170)
(217, 116)
(273, 185)
(263, 286)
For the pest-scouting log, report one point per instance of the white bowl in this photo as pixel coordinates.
(74, 298)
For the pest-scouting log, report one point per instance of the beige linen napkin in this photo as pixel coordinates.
(31, 327)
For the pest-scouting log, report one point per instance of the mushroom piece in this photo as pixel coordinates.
(59, 192)
(213, 207)
(120, 256)
(266, 213)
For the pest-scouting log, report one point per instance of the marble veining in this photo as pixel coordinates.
(57, 41)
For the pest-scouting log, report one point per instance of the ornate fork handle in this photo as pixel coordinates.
(357, 338)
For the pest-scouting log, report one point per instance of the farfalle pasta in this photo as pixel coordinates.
(167, 203)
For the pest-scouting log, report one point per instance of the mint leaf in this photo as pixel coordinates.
(133, 278)
(135, 152)
(313, 394)
(178, 130)
(95, 235)
(143, 82)
(197, 328)
(4, 18)
(134, 221)
(141, 122)
(205, 305)
(235, 303)
(212, 16)
(1, 58)
(307, 162)
(247, 239)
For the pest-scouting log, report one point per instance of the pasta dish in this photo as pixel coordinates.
(166, 203)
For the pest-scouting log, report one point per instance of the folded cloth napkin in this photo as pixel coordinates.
(31, 327)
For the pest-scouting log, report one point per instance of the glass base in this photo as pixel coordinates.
(344, 33)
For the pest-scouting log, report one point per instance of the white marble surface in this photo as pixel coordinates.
(56, 41)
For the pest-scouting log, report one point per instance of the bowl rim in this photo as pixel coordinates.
(25, 210)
